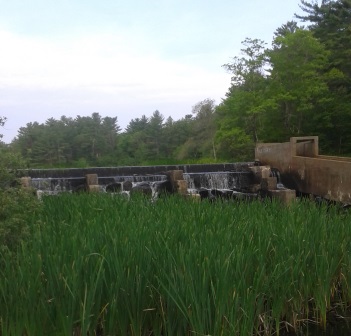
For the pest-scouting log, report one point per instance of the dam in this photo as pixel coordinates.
(183, 179)
(280, 170)
(302, 168)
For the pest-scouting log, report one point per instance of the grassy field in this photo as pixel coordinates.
(103, 265)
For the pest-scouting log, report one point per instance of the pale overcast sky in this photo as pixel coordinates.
(122, 58)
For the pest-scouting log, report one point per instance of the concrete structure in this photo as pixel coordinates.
(91, 179)
(264, 182)
(303, 169)
(236, 180)
(92, 183)
(179, 185)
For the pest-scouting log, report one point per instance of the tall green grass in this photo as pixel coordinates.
(102, 265)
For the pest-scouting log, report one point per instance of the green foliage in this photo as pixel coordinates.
(294, 88)
(16, 204)
(240, 114)
(301, 85)
(16, 208)
(330, 22)
(10, 164)
(200, 143)
(175, 267)
(297, 85)
(63, 142)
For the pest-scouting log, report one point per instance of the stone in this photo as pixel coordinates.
(26, 182)
(93, 188)
(163, 187)
(195, 197)
(260, 172)
(142, 187)
(254, 188)
(269, 183)
(287, 196)
(175, 175)
(91, 179)
(80, 188)
(127, 186)
(181, 187)
(114, 187)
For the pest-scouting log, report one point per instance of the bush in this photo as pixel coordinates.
(16, 207)
(16, 204)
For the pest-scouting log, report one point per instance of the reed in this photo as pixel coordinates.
(103, 265)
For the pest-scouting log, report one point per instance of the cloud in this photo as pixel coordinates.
(110, 73)
(99, 62)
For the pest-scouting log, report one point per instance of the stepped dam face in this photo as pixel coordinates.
(205, 180)
(279, 171)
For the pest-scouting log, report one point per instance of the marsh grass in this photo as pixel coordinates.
(102, 265)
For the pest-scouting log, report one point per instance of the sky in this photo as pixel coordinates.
(123, 58)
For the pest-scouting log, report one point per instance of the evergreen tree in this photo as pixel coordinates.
(330, 22)
(155, 139)
(201, 141)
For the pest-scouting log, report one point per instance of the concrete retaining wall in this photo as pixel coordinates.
(303, 169)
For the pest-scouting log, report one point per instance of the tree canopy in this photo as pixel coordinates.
(299, 85)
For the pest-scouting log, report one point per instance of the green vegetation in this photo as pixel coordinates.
(16, 204)
(298, 86)
(103, 265)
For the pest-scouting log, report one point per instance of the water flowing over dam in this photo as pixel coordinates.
(280, 170)
(228, 176)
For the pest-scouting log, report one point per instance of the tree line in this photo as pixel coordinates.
(300, 85)
(97, 140)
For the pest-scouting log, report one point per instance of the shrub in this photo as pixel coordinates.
(16, 204)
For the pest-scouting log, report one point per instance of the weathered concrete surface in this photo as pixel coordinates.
(77, 179)
(135, 170)
(286, 196)
(303, 169)
(91, 179)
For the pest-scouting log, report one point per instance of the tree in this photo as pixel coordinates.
(298, 87)
(66, 142)
(2, 123)
(239, 122)
(15, 203)
(133, 145)
(285, 29)
(155, 139)
(330, 22)
(176, 133)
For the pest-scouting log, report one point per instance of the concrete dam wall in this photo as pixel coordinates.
(280, 169)
(303, 169)
(184, 179)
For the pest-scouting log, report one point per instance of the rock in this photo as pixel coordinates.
(163, 187)
(204, 193)
(143, 188)
(114, 187)
(127, 186)
(80, 188)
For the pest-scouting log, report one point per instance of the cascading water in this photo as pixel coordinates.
(151, 180)
(56, 185)
(276, 173)
(225, 184)
(151, 185)
(217, 180)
